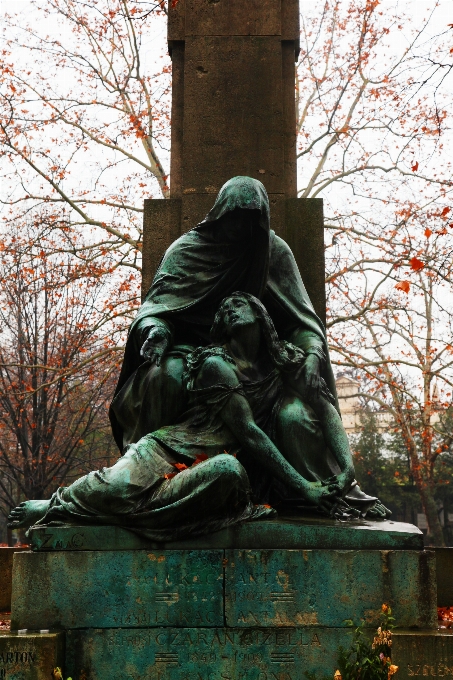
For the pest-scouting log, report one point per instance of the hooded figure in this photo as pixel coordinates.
(232, 249)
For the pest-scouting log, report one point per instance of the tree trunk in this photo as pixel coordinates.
(430, 508)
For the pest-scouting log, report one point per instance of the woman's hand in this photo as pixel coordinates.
(309, 377)
(340, 483)
(322, 496)
(155, 345)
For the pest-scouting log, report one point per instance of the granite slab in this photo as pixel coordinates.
(114, 589)
(235, 588)
(329, 587)
(6, 568)
(203, 654)
(427, 654)
(444, 574)
(283, 532)
(32, 656)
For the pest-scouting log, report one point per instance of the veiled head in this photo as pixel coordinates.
(236, 199)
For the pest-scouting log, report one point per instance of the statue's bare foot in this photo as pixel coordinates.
(378, 511)
(27, 513)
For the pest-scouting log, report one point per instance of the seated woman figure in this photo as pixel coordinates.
(238, 447)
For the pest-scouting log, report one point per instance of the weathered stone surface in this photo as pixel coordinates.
(30, 657)
(285, 533)
(233, 17)
(161, 226)
(117, 589)
(6, 567)
(204, 654)
(329, 587)
(209, 588)
(304, 232)
(217, 143)
(444, 573)
(427, 654)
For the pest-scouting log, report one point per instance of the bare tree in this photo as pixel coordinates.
(83, 120)
(57, 357)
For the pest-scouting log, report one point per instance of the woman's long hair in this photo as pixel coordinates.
(284, 355)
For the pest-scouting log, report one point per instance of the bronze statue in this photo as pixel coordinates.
(225, 406)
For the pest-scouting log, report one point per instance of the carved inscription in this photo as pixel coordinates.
(439, 670)
(13, 661)
(207, 653)
(267, 588)
(17, 657)
(73, 541)
(124, 589)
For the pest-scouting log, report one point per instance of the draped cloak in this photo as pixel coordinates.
(196, 273)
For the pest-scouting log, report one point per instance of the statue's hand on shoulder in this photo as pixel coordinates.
(309, 376)
(156, 345)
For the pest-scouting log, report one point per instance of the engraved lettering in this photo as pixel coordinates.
(417, 670)
(77, 540)
(280, 638)
(267, 638)
(227, 637)
(46, 541)
(410, 672)
(315, 641)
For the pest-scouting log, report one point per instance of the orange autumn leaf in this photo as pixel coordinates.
(428, 232)
(180, 466)
(404, 286)
(445, 211)
(414, 167)
(200, 458)
(170, 475)
(416, 264)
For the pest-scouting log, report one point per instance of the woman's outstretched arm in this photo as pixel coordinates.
(238, 417)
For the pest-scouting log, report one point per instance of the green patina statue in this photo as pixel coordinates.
(225, 406)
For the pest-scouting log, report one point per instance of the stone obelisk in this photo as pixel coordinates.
(233, 113)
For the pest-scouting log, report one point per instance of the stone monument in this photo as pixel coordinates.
(234, 113)
(172, 564)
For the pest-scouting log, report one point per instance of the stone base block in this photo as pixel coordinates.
(234, 588)
(444, 571)
(423, 654)
(329, 587)
(284, 532)
(6, 568)
(204, 653)
(113, 589)
(30, 657)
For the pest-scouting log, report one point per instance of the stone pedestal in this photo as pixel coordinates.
(423, 654)
(234, 113)
(32, 656)
(6, 566)
(267, 600)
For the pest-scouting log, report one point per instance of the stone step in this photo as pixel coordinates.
(236, 588)
(6, 567)
(31, 656)
(283, 532)
(204, 653)
(423, 654)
